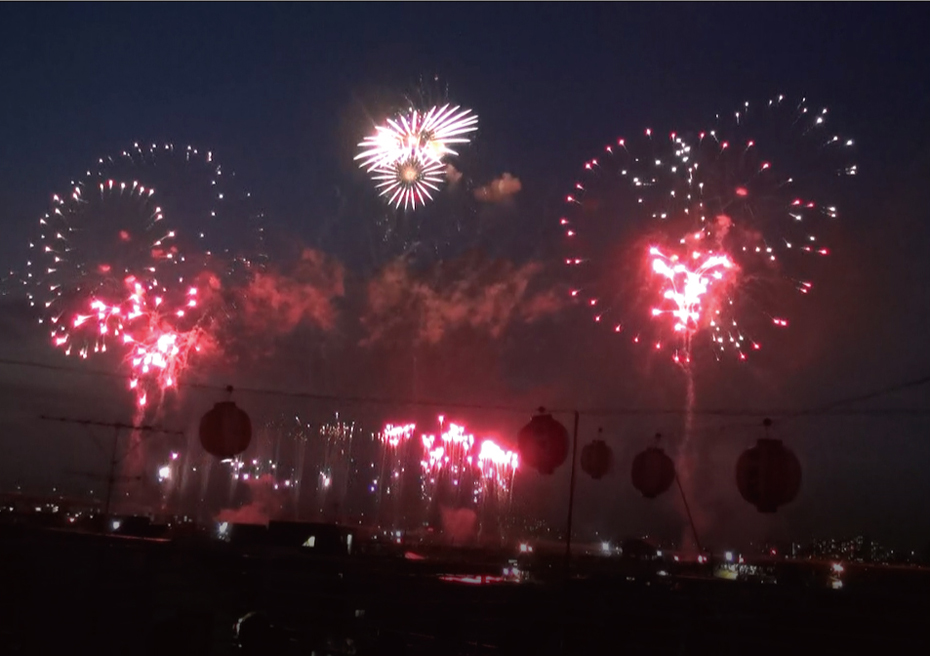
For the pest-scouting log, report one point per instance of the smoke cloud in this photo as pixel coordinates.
(453, 175)
(459, 525)
(499, 190)
(279, 301)
(265, 504)
(485, 295)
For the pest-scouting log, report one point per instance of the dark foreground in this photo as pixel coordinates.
(72, 593)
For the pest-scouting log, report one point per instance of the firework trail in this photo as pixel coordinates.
(279, 455)
(393, 440)
(460, 470)
(220, 227)
(447, 458)
(684, 235)
(335, 460)
(692, 241)
(422, 135)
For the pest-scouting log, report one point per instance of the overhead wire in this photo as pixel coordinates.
(832, 408)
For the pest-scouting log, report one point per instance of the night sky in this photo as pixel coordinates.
(282, 93)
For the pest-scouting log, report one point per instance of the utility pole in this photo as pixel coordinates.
(114, 461)
(571, 501)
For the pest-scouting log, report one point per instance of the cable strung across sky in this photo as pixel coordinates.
(827, 409)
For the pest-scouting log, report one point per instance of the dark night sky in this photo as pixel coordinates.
(280, 91)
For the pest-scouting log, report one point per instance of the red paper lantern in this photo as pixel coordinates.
(225, 430)
(596, 459)
(653, 472)
(543, 443)
(768, 475)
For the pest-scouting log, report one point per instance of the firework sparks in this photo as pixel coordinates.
(693, 289)
(335, 462)
(468, 466)
(158, 352)
(109, 269)
(497, 466)
(425, 136)
(407, 183)
(393, 435)
(405, 156)
(715, 210)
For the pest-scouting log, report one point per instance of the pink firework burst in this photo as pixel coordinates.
(693, 289)
(497, 467)
(112, 267)
(735, 212)
(148, 326)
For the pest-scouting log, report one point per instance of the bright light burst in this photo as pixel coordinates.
(336, 438)
(462, 462)
(726, 217)
(693, 290)
(498, 467)
(110, 268)
(405, 156)
(96, 271)
(407, 183)
(421, 136)
(392, 436)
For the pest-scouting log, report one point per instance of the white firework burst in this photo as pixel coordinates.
(421, 135)
(407, 183)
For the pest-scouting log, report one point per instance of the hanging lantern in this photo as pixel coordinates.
(543, 443)
(225, 430)
(596, 459)
(768, 475)
(653, 472)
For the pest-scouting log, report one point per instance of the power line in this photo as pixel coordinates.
(146, 428)
(832, 408)
(117, 426)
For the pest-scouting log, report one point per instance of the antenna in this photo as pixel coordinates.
(116, 426)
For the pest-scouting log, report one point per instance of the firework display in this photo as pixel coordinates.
(460, 468)
(304, 471)
(124, 262)
(335, 440)
(218, 224)
(446, 458)
(408, 182)
(686, 244)
(405, 156)
(683, 235)
(393, 441)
